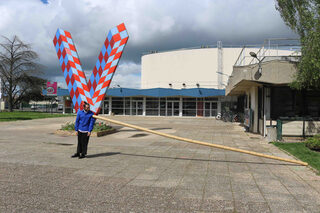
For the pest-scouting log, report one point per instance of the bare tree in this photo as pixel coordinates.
(17, 60)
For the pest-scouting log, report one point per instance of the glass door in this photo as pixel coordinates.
(214, 109)
(207, 109)
(173, 108)
(200, 108)
(106, 107)
(210, 109)
(137, 107)
(176, 108)
(169, 108)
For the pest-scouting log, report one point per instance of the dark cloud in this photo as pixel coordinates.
(152, 25)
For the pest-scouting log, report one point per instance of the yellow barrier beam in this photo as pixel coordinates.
(200, 142)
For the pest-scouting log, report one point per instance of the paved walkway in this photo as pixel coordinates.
(133, 171)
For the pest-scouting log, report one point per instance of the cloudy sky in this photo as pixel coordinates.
(152, 25)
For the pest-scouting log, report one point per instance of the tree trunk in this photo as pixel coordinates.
(10, 99)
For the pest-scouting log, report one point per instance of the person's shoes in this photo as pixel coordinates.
(75, 155)
(82, 156)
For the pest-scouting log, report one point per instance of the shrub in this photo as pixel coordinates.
(313, 143)
(68, 126)
(98, 126)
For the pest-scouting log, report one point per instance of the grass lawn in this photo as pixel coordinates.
(15, 116)
(299, 150)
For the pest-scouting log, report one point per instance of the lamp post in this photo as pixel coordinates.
(120, 88)
(254, 55)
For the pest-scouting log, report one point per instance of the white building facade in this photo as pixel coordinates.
(191, 68)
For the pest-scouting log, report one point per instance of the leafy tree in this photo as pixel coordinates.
(17, 65)
(303, 17)
(32, 87)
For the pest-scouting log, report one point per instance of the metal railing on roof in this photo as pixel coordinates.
(268, 49)
(192, 48)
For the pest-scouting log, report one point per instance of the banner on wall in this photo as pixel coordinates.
(52, 88)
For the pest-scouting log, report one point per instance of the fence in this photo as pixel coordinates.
(297, 127)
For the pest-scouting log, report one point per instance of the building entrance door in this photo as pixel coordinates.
(200, 106)
(172, 108)
(137, 107)
(210, 109)
(105, 109)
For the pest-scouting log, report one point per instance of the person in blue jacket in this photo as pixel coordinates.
(83, 126)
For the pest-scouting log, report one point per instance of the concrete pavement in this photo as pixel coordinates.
(133, 171)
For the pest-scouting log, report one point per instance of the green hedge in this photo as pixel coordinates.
(313, 143)
(98, 126)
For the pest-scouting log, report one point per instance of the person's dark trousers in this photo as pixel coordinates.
(83, 140)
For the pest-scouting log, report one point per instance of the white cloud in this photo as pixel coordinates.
(126, 80)
(151, 24)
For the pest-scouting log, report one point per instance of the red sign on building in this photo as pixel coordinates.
(52, 88)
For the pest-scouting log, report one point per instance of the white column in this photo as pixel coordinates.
(219, 105)
(124, 105)
(130, 105)
(196, 107)
(110, 106)
(180, 107)
(103, 106)
(159, 107)
(264, 111)
(63, 105)
(254, 107)
(144, 106)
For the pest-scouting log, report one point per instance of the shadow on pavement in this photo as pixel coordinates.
(103, 154)
(181, 158)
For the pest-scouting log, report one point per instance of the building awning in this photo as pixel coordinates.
(244, 85)
(155, 92)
